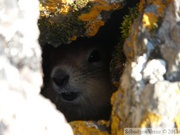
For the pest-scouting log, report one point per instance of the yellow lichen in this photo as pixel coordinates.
(79, 4)
(66, 1)
(116, 116)
(86, 128)
(114, 125)
(178, 90)
(149, 20)
(103, 122)
(177, 121)
(64, 9)
(149, 119)
(54, 7)
(41, 8)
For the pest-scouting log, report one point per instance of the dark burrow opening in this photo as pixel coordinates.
(67, 91)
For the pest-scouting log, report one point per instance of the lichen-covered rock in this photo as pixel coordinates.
(148, 95)
(65, 20)
(100, 127)
(149, 92)
(22, 110)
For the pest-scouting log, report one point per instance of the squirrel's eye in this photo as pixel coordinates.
(95, 56)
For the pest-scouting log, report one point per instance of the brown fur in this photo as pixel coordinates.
(89, 80)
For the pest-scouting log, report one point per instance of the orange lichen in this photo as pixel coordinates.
(149, 20)
(51, 8)
(160, 5)
(93, 15)
(129, 52)
(103, 122)
(150, 118)
(86, 128)
(142, 5)
(94, 26)
(116, 84)
(130, 44)
(97, 9)
(73, 38)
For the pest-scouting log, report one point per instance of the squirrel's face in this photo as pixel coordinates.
(79, 81)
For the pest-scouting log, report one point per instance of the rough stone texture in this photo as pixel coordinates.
(22, 110)
(150, 85)
(62, 21)
(148, 95)
(100, 127)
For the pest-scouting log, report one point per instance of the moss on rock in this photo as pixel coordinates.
(62, 20)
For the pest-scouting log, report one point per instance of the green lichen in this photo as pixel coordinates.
(57, 29)
(57, 33)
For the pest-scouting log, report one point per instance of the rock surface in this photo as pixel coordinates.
(149, 93)
(62, 21)
(22, 110)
